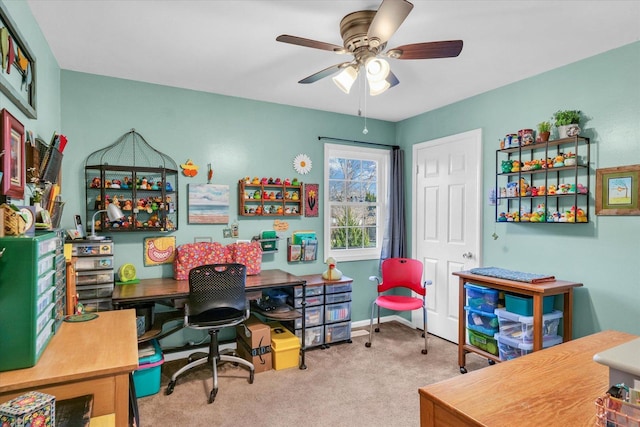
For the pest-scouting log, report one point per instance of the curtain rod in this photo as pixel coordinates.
(396, 147)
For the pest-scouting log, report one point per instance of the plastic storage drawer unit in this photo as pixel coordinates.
(482, 298)
(510, 348)
(337, 312)
(483, 342)
(481, 321)
(94, 263)
(520, 328)
(311, 300)
(313, 317)
(337, 332)
(310, 290)
(147, 377)
(337, 288)
(312, 336)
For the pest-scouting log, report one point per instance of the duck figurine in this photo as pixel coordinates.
(332, 272)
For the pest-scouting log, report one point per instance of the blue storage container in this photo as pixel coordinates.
(147, 377)
(481, 321)
(482, 298)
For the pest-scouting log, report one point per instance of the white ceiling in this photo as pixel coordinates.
(229, 47)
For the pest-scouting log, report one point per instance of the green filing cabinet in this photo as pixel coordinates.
(27, 298)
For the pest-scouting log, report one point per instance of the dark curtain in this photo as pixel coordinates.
(394, 243)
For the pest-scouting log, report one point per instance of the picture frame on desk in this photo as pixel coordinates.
(12, 160)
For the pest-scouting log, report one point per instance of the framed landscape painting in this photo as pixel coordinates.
(617, 190)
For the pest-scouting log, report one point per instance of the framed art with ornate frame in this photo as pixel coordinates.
(617, 190)
(12, 159)
(20, 85)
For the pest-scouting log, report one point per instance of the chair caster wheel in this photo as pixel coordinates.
(491, 362)
(463, 370)
(423, 335)
(367, 344)
(170, 387)
(212, 396)
(377, 329)
(424, 351)
(251, 376)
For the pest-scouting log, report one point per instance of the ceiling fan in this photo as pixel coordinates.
(365, 34)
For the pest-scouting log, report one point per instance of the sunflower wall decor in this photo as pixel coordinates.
(302, 164)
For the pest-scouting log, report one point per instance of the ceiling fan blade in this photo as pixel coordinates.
(285, 38)
(427, 50)
(392, 79)
(390, 15)
(324, 73)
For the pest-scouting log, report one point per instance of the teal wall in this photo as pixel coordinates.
(238, 136)
(602, 254)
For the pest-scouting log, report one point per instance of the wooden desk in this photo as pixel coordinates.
(166, 288)
(94, 357)
(536, 290)
(556, 386)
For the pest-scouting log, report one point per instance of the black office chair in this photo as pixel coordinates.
(216, 300)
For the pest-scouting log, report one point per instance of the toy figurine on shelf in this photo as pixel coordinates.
(95, 183)
(256, 181)
(295, 181)
(287, 181)
(332, 272)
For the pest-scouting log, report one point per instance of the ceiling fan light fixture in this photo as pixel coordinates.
(377, 69)
(346, 78)
(376, 88)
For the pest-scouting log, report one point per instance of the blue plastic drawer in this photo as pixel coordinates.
(481, 321)
(482, 298)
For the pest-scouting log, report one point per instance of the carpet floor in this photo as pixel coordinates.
(346, 384)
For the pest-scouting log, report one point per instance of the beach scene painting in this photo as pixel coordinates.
(208, 204)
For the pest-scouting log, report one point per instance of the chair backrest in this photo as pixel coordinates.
(217, 292)
(402, 273)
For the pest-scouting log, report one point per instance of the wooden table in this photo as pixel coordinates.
(94, 357)
(536, 290)
(556, 386)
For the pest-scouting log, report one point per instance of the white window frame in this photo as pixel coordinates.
(382, 157)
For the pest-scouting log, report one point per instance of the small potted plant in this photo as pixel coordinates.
(567, 122)
(544, 130)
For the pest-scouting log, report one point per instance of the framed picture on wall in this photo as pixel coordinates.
(12, 153)
(617, 190)
(159, 250)
(311, 200)
(208, 204)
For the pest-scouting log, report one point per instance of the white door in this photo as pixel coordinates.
(447, 216)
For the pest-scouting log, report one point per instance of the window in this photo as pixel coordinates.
(355, 201)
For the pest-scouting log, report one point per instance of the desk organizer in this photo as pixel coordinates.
(615, 412)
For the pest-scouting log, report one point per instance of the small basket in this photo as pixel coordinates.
(612, 412)
(14, 223)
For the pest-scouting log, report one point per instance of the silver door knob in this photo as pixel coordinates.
(468, 255)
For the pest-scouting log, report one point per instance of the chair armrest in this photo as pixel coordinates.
(375, 278)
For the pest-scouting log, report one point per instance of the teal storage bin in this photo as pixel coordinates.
(523, 305)
(147, 377)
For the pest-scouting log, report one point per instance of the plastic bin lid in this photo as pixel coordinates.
(504, 314)
(153, 358)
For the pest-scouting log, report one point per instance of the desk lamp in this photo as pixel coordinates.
(113, 212)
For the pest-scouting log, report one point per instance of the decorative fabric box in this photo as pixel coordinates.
(30, 409)
(191, 255)
(249, 254)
